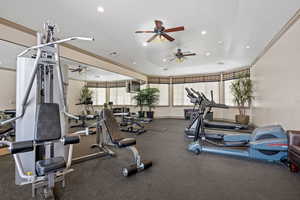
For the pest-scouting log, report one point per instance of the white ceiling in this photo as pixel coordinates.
(237, 23)
(8, 59)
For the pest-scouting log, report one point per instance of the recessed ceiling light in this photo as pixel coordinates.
(203, 32)
(145, 44)
(165, 60)
(134, 63)
(207, 53)
(247, 47)
(100, 9)
(220, 42)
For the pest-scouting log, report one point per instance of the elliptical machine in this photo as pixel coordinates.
(266, 143)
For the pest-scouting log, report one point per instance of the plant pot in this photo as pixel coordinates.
(150, 114)
(242, 119)
(141, 114)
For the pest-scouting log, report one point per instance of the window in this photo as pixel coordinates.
(180, 95)
(228, 94)
(98, 96)
(163, 93)
(119, 96)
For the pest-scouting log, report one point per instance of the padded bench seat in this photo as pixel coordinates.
(126, 142)
(47, 166)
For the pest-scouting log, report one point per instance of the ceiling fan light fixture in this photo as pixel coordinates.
(247, 47)
(179, 60)
(162, 39)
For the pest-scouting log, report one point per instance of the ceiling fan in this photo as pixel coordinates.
(180, 56)
(160, 31)
(78, 69)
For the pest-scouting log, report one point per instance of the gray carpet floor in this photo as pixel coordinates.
(176, 174)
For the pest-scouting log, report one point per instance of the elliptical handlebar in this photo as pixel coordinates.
(197, 93)
(189, 92)
(192, 97)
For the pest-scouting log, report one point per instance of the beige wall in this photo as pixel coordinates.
(8, 89)
(277, 81)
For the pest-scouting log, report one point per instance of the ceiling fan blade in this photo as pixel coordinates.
(73, 70)
(152, 38)
(172, 59)
(190, 54)
(144, 32)
(179, 28)
(168, 37)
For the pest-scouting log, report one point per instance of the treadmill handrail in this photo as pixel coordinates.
(213, 104)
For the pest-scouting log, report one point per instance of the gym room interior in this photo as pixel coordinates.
(150, 100)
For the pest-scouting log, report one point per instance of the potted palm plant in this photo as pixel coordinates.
(151, 99)
(139, 97)
(85, 98)
(242, 90)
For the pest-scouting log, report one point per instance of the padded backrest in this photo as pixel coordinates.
(111, 125)
(48, 122)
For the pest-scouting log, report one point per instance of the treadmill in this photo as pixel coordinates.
(219, 124)
(204, 102)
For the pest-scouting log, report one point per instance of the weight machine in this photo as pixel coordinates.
(40, 150)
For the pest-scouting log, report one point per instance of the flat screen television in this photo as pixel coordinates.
(133, 86)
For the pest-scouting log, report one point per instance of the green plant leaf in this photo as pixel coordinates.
(242, 90)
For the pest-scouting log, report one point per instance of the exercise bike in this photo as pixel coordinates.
(268, 143)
